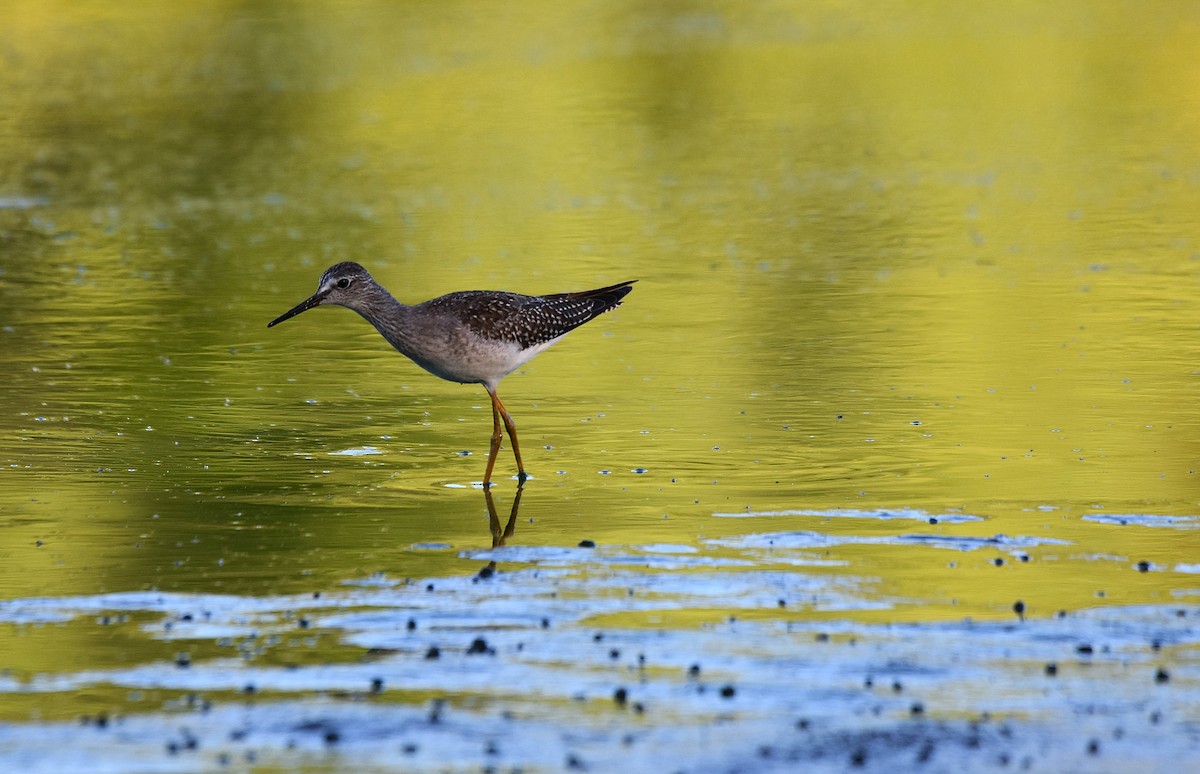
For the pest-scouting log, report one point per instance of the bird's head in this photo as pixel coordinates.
(344, 284)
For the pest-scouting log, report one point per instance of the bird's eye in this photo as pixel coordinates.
(343, 283)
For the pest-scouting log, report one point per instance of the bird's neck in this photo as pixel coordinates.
(389, 316)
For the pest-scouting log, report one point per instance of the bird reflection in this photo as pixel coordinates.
(500, 535)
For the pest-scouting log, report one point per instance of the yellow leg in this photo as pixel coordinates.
(497, 435)
(512, 434)
(500, 413)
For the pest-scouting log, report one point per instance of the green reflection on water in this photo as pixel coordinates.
(934, 259)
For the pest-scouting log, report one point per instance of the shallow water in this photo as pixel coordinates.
(906, 393)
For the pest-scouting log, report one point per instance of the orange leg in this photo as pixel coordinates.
(499, 413)
(497, 435)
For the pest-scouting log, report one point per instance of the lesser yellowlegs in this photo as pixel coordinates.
(472, 337)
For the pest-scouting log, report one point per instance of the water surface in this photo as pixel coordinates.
(913, 342)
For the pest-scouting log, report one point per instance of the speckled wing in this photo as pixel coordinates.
(530, 320)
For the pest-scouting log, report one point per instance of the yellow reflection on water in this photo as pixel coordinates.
(941, 258)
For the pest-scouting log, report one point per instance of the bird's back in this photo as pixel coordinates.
(526, 321)
(483, 335)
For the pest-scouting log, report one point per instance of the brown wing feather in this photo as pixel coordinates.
(529, 320)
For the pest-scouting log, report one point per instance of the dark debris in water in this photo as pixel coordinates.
(884, 514)
(514, 692)
(1145, 520)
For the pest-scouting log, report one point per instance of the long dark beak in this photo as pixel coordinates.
(303, 306)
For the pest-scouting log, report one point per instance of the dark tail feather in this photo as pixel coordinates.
(574, 309)
(608, 296)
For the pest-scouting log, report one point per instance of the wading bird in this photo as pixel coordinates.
(471, 337)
